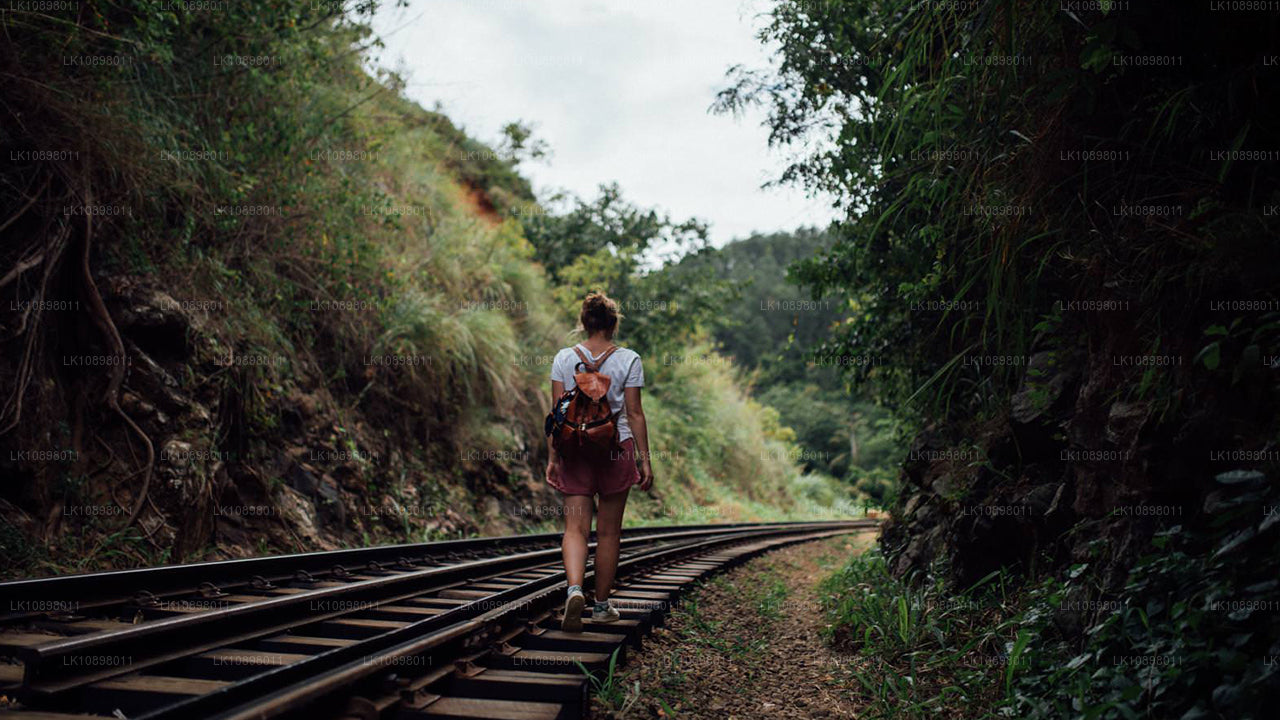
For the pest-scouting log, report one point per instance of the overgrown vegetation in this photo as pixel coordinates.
(918, 650)
(968, 139)
(1058, 244)
(1191, 634)
(273, 256)
(240, 157)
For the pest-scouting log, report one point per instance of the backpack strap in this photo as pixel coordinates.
(605, 356)
(595, 367)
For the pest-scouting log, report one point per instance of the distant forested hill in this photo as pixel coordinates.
(776, 330)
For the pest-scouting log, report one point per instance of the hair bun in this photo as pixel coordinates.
(599, 314)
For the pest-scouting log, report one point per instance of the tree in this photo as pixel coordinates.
(609, 245)
(518, 144)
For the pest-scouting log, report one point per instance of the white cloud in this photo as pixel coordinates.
(620, 91)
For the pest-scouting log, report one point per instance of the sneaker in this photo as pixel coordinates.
(604, 612)
(573, 606)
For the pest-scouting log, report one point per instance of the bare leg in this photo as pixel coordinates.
(577, 528)
(608, 534)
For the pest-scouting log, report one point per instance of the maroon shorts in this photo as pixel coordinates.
(609, 473)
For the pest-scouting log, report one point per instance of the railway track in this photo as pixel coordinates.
(458, 629)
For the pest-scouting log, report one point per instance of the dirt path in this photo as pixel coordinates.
(746, 645)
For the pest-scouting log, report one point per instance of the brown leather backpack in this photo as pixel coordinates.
(582, 422)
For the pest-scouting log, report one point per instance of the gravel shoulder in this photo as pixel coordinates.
(746, 644)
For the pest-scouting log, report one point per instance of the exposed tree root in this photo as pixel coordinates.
(98, 309)
(31, 262)
(13, 404)
(111, 458)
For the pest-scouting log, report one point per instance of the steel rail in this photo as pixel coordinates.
(355, 665)
(121, 587)
(52, 667)
(300, 684)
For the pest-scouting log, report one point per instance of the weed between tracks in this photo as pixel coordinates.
(703, 632)
(609, 689)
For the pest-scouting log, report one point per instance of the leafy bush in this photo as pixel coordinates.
(1190, 633)
(1193, 633)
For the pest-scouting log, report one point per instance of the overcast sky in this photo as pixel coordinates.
(619, 89)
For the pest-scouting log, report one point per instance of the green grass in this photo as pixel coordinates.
(922, 651)
(773, 595)
(609, 689)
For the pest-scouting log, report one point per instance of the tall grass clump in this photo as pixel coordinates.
(916, 649)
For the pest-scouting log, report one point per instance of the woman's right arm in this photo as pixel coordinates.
(553, 460)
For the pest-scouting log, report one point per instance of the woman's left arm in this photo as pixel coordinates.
(635, 418)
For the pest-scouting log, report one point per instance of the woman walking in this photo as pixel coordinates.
(604, 463)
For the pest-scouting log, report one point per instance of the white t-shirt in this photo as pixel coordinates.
(623, 368)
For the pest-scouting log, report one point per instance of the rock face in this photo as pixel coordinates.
(1068, 449)
(243, 461)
